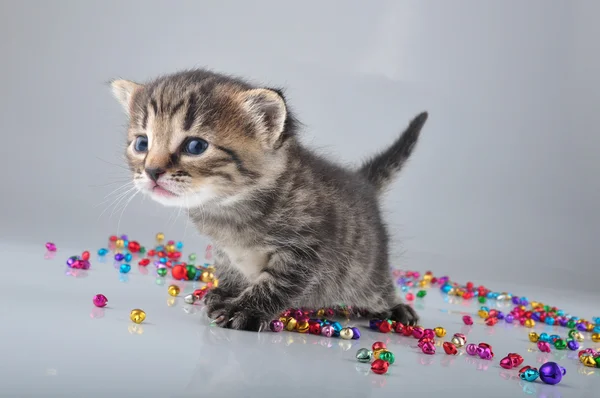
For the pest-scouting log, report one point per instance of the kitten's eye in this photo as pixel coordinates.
(195, 146)
(141, 144)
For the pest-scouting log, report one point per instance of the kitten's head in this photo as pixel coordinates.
(197, 138)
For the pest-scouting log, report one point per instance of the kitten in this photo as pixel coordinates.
(292, 229)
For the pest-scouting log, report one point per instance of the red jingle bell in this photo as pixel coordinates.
(450, 348)
(506, 363)
(385, 327)
(380, 366)
(378, 345)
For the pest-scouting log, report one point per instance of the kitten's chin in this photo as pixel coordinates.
(191, 200)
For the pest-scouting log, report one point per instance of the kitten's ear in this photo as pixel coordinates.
(267, 108)
(123, 91)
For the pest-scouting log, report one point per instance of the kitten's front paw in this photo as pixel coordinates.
(216, 299)
(404, 314)
(233, 316)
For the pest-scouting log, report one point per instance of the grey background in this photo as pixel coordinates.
(504, 182)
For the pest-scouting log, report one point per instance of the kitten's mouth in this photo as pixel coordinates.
(160, 191)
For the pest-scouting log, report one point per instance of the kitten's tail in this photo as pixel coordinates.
(382, 168)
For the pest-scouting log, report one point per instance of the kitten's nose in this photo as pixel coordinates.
(155, 173)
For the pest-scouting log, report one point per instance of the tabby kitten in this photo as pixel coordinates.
(292, 229)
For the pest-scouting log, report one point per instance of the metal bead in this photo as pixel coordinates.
(573, 345)
(327, 331)
(459, 340)
(551, 373)
(528, 373)
(439, 331)
(588, 360)
(189, 299)
(428, 348)
(315, 328)
(449, 348)
(471, 349)
(544, 337)
(346, 333)
(100, 300)
(276, 326)
(291, 324)
(543, 346)
(485, 353)
(418, 332)
(534, 337)
(303, 327)
(559, 344)
(385, 327)
(174, 290)
(529, 323)
(387, 356)
(137, 315)
(506, 363)
(467, 320)
(596, 337)
(429, 333)
(378, 345)
(516, 359)
(364, 355)
(576, 335)
(337, 328)
(379, 366)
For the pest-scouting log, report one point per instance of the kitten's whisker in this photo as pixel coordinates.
(113, 164)
(128, 183)
(117, 195)
(118, 198)
(125, 207)
(108, 183)
(114, 193)
(121, 198)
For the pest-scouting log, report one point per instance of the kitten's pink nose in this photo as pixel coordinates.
(155, 173)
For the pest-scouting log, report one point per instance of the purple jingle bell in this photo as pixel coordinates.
(573, 345)
(509, 318)
(327, 331)
(374, 324)
(276, 326)
(552, 373)
(471, 349)
(355, 333)
(484, 353)
(582, 327)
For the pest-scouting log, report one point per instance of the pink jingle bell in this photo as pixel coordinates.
(543, 346)
(424, 340)
(428, 348)
(429, 333)
(100, 300)
(418, 332)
